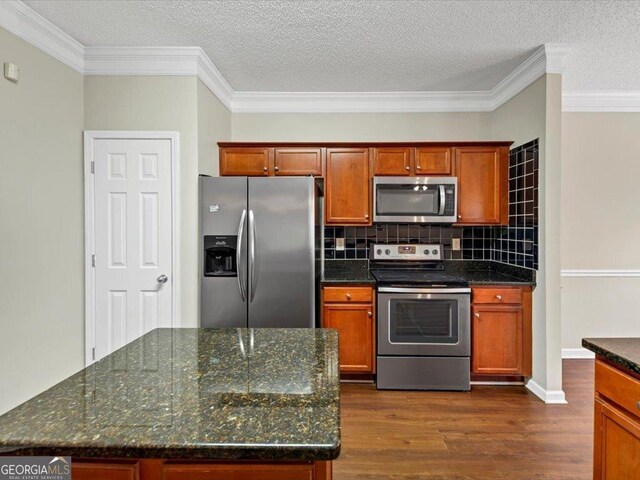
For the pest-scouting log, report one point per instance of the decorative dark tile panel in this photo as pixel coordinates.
(517, 244)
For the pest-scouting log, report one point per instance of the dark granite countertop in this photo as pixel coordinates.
(345, 272)
(194, 394)
(477, 272)
(621, 351)
(487, 272)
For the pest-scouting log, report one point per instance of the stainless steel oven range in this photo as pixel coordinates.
(424, 338)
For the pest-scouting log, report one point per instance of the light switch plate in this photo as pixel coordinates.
(455, 244)
(339, 244)
(11, 72)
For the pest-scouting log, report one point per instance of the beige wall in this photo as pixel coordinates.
(41, 218)
(600, 224)
(535, 113)
(214, 125)
(359, 127)
(158, 103)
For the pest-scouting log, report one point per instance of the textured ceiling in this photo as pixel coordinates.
(371, 45)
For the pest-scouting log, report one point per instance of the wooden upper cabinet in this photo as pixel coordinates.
(483, 176)
(396, 161)
(348, 187)
(250, 161)
(298, 161)
(433, 161)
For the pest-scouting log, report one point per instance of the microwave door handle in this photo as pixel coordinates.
(442, 199)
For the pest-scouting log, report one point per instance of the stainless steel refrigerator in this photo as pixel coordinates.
(257, 244)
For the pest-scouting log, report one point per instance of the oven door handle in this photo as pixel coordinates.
(423, 290)
(443, 199)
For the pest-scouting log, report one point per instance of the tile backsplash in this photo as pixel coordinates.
(515, 244)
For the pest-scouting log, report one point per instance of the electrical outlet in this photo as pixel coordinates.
(455, 244)
(339, 244)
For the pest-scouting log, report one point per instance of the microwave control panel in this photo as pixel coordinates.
(385, 251)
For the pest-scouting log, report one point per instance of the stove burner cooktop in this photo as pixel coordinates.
(417, 277)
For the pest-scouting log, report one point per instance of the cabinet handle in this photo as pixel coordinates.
(370, 314)
(276, 168)
(476, 314)
(499, 297)
(417, 167)
(366, 215)
(459, 216)
(407, 167)
(264, 169)
(348, 296)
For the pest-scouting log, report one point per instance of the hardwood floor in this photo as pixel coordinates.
(490, 433)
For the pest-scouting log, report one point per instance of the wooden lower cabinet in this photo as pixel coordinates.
(158, 469)
(350, 310)
(501, 331)
(616, 429)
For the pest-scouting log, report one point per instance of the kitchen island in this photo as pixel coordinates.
(193, 404)
(617, 408)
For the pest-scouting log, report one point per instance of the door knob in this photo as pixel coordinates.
(407, 167)
(417, 167)
(348, 296)
(370, 314)
(499, 297)
(276, 168)
(264, 169)
(476, 314)
(162, 278)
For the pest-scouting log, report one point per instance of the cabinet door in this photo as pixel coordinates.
(348, 187)
(298, 161)
(483, 176)
(231, 471)
(394, 161)
(105, 470)
(251, 162)
(616, 444)
(356, 327)
(433, 161)
(496, 347)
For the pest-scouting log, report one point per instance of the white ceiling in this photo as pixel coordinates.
(360, 46)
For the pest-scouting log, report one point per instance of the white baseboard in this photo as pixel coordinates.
(547, 396)
(577, 353)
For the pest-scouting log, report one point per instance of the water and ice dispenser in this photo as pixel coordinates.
(220, 256)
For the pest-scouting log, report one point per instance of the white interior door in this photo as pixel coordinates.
(133, 276)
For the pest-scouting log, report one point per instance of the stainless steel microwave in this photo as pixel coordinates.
(415, 199)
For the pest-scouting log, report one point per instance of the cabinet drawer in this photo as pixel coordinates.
(497, 295)
(348, 294)
(618, 387)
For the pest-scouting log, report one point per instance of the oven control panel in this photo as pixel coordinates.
(404, 251)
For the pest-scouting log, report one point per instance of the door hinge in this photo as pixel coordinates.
(93, 353)
(93, 260)
(93, 166)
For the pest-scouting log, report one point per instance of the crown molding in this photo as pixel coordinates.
(601, 101)
(27, 24)
(33, 28)
(358, 102)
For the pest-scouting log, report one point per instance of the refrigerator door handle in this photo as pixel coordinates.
(252, 257)
(241, 284)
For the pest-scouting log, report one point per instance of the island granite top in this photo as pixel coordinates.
(621, 351)
(233, 394)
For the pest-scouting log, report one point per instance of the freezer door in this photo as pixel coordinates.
(223, 298)
(281, 263)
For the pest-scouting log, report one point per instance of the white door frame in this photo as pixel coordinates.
(89, 224)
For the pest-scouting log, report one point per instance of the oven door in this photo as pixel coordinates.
(415, 200)
(424, 322)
